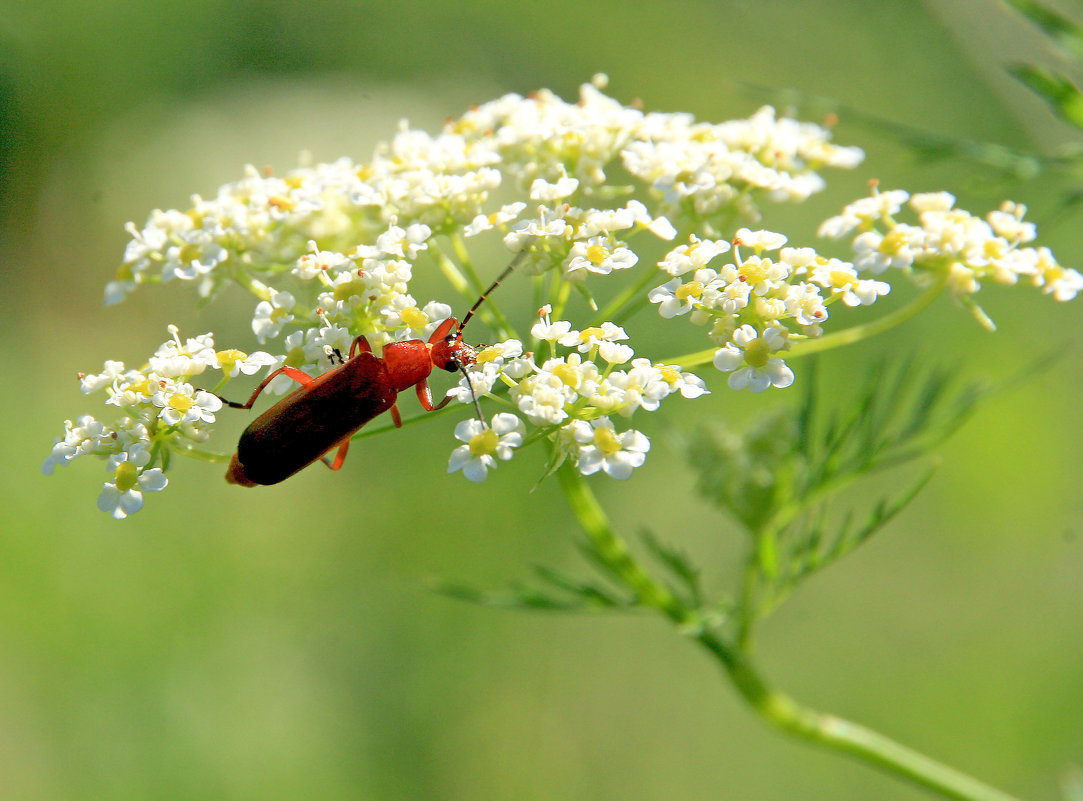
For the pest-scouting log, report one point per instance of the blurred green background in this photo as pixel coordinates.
(282, 643)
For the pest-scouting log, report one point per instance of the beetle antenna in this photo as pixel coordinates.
(473, 395)
(507, 271)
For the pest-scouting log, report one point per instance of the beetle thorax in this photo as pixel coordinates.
(407, 363)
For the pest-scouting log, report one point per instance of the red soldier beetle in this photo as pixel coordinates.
(325, 412)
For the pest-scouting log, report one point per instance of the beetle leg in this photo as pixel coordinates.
(424, 396)
(360, 345)
(300, 377)
(340, 456)
(396, 418)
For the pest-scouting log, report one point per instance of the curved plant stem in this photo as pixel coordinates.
(860, 332)
(778, 709)
(612, 550)
(845, 736)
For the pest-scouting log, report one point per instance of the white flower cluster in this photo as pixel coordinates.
(329, 252)
(560, 149)
(950, 245)
(158, 411)
(571, 398)
(754, 303)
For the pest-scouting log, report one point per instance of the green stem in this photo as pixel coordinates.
(629, 295)
(253, 285)
(845, 736)
(612, 550)
(860, 332)
(778, 709)
(203, 456)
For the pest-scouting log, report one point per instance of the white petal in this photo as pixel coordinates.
(728, 358)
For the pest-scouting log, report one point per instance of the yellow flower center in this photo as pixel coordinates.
(597, 254)
(145, 388)
(670, 375)
(281, 202)
(587, 334)
(126, 476)
(181, 403)
(693, 289)
(484, 444)
(893, 241)
(606, 440)
(995, 249)
(757, 352)
(755, 270)
(489, 354)
(568, 374)
(229, 358)
(347, 290)
(840, 279)
(414, 317)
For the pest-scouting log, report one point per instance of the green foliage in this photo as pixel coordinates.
(1065, 33)
(779, 480)
(1058, 90)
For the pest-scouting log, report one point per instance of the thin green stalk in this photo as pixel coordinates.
(860, 332)
(632, 293)
(464, 280)
(612, 550)
(845, 736)
(778, 709)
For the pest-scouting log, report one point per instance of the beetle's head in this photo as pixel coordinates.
(453, 354)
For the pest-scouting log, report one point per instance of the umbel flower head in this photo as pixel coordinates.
(601, 205)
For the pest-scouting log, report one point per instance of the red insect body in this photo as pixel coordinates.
(325, 412)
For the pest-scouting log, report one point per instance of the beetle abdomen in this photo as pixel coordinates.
(305, 425)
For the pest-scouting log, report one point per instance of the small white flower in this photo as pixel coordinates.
(922, 201)
(542, 191)
(84, 435)
(236, 362)
(600, 447)
(486, 222)
(270, 316)
(748, 359)
(678, 297)
(547, 224)
(548, 331)
(542, 403)
(191, 357)
(614, 352)
(693, 256)
(689, 385)
(311, 265)
(1008, 223)
(898, 248)
(868, 210)
(598, 255)
(760, 240)
(182, 403)
(123, 495)
(841, 278)
(110, 374)
(590, 338)
(1063, 283)
(404, 243)
(484, 445)
(491, 364)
